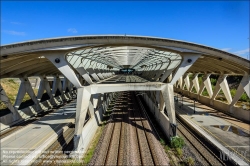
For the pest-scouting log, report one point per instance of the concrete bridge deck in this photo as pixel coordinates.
(27, 143)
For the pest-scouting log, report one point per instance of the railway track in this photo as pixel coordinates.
(129, 138)
(207, 153)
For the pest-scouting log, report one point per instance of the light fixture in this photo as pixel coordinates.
(57, 60)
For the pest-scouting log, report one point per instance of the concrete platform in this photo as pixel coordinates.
(24, 145)
(233, 134)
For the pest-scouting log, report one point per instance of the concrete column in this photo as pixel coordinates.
(217, 88)
(37, 83)
(196, 83)
(208, 86)
(206, 83)
(83, 99)
(4, 98)
(180, 82)
(186, 80)
(168, 96)
(222, 84)
(65, 84)
(191, 85)
(64, 87)
(243, 86)
(48, 90)
(44, 85)
(187, 61)
(55, 85)
(20, 94)
(225, 88)
(26, 87)
(41, 89)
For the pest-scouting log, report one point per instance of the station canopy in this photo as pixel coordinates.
(114, 52)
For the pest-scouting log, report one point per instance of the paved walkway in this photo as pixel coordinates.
(230, 132)
(36, 137)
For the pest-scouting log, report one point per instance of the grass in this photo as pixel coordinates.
(177, 142)
(189, 161)
(11, 87)
(91, 149)
(179, 152)
(90, 152)
(162, 142)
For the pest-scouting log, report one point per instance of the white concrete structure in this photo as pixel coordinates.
(91, 64)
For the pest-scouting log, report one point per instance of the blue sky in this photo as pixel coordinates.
(223, 25)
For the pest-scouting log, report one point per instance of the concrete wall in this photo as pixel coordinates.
(237, 112)
(90, 128)
(162, 119)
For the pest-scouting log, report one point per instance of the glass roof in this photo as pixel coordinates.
(118, 57)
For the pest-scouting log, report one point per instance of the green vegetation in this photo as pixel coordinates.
(235, 80)
(11, 87)
(189, 161)
(162, 142)
(213, 81)
(243, 97)
(177, 142)
(179, 152)
(194, 90)
(87, 157)
(91, 149)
